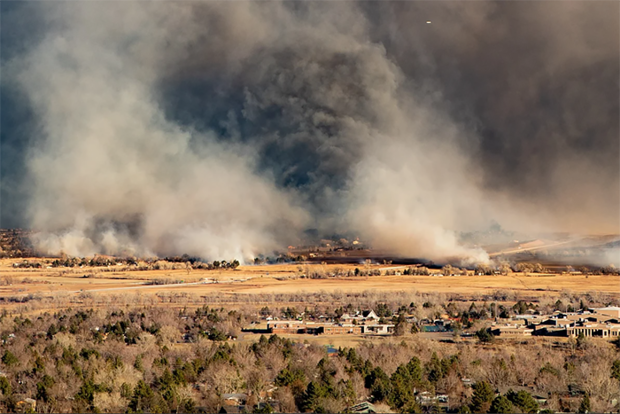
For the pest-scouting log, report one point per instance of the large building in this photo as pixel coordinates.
(326, 328)
(601, 322)
(611, 311)
(604, 330)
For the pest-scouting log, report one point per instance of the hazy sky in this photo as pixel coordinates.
(226, 129)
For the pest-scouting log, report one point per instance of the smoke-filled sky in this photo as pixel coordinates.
(229, 129)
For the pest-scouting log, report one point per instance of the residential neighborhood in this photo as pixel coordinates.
(595, 322)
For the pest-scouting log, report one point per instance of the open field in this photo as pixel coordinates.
(146, 318)
(282, 279)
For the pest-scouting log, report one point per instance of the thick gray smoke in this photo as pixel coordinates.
(112, 175)
(537, 83)
(226, 129)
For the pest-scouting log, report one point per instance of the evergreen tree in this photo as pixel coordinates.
(126, 390)
(615, 370)
(584, 407)
(484, 335)
(501, 405)
(86, 392)
(286, 377)
(138, 363)
(8, 358)
(167, 386)
(379, 384)
(415, 369)
(311, 399)
(188, 405)
(141, 399)
(402, 388)
(482, 397)
(523, 400)
(42, 386)
(403, 382)
(353, 358)
(5, 386)
(434, 369)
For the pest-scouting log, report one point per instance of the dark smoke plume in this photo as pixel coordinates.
(229, 128)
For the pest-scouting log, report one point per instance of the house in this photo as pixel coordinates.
(540, 398)
(370, 314)
(360, 317)
(234, 399)
(426, 398)
(411, 319)
(268, 393)
(362, 408)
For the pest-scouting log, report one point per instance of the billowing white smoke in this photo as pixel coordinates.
(413, 188)
(408, 195)
(113, 174)
(109, 156)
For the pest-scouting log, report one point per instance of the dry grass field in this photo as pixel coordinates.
(284, 278)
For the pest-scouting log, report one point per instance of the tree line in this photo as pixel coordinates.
(150, 359)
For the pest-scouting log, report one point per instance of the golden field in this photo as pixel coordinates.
(282, 278)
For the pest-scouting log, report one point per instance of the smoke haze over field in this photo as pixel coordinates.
(227, 129)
